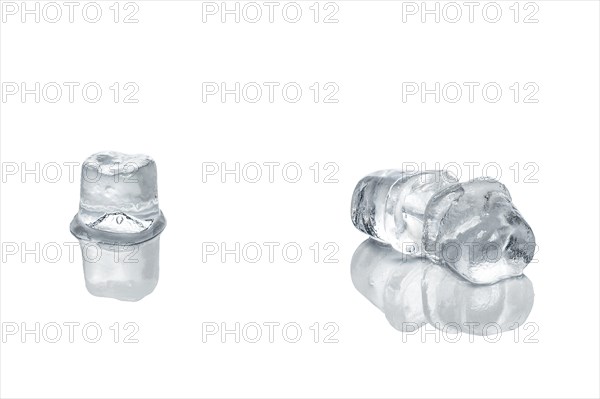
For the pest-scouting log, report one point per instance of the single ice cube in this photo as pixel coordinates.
(389, 205)
(475, 229)
(124, 272)
(114, 184)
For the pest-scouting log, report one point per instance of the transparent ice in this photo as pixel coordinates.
(472, 227)
(118, 192)
(389, 205)
(413, 291)
(475, 229)
(118, 225)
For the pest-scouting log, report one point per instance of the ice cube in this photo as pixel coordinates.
(116, 183)
(475, 229)
(389, 205)
(124, 272)
(118, 225)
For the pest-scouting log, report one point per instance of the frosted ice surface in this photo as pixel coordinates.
(389, 205)
(474, 228)
(127, 273)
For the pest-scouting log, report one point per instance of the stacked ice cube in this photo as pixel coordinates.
(472, 227)
(118, 225)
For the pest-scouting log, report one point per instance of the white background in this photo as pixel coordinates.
(368, 54)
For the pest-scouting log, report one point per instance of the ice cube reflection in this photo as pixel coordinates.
(413, 291)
